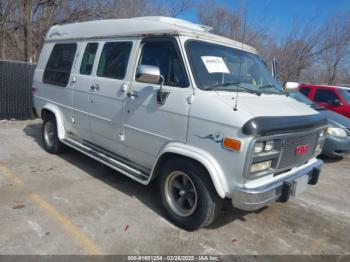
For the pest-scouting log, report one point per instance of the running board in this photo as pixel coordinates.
(108, 160)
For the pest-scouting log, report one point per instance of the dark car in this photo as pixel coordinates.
(338, 133)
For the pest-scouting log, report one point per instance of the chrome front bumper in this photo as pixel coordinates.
(256, 198)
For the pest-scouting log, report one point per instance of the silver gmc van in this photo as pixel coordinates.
(162, 98)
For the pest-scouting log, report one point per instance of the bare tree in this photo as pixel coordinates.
(24, 23)
(27, 29)
(120, 8)
(6, 10)
(231, 22)
(336, 42)
(297, 51)
(134, 8)
(175, 8)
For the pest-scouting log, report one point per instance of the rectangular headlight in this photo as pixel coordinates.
(258, 147)
(264, 146)
(269, 145)
(260, 166)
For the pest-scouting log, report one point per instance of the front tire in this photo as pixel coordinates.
(187, 194)
(51, 142)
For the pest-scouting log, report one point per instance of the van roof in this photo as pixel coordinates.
(138, 26)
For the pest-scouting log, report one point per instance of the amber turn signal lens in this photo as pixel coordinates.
(232, 144)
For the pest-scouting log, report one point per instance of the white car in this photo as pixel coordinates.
(162, 98)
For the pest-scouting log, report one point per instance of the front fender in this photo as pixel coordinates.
(209, 162)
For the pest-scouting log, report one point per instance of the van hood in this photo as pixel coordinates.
(266, 104)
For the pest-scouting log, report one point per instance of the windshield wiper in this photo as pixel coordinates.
(273, 86)
(237, 84)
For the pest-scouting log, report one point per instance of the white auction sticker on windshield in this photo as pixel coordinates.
(215, 64)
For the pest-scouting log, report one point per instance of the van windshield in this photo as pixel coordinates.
(218, 67)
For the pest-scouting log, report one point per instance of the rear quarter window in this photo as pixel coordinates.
(59, 65)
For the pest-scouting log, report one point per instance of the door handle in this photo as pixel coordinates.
(95, 87)
(132, 95)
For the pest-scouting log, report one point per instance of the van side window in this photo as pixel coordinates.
(325, 96)
(59, 65)
(164, 55)
(114, 60)
(88, 58)
(305, 91)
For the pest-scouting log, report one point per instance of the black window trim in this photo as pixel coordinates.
(70, 72)
(127, 65)
(82, 57)
(177, 50)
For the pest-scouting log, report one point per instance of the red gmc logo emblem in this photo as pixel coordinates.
(300, 150)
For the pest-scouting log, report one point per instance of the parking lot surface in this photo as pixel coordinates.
(71, 204)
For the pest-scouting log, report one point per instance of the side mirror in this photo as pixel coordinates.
(148, 74)
(336, 102)
(291, 87)
(151, 74)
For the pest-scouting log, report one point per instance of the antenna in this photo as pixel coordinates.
(240, 58)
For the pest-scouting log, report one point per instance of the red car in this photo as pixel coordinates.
(334, 98)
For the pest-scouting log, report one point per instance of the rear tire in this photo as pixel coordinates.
(49, 134)
(187, 194)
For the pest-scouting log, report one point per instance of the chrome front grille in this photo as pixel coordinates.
(289, 157)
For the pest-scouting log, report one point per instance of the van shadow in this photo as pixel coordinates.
(331, 160)
(229, 214)
(148, 195)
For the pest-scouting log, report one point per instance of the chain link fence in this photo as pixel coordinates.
(16, 101)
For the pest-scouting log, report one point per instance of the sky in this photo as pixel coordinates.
(277, 16)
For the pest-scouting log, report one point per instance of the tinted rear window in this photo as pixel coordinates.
(59, 65)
